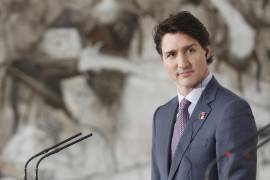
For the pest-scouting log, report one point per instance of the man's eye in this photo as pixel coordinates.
(170, 55)
(191, 50)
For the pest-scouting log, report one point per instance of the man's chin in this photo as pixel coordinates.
(188, 82)
(186, 85)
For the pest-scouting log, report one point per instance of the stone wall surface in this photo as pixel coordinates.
(69, 66)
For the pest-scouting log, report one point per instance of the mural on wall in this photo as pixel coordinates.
(68, 66)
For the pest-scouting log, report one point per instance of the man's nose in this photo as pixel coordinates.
(182, 61)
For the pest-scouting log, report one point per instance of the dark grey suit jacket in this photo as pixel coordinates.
(228, 122)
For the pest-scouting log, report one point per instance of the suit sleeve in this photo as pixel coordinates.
(155, 174)
(236, 126)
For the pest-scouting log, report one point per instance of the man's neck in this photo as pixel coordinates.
(184, 91)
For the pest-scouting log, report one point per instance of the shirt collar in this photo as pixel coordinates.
(194, 95)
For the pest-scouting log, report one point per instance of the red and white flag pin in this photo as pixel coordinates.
(202, 115)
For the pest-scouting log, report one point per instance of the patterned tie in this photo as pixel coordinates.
(180, 124)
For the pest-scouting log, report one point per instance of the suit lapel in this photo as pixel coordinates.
(171, 114)
(197, 119)
(199, 116)
(203, 108)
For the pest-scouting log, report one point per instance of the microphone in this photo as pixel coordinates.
(230, 152)
(60, 149)
(47, 150)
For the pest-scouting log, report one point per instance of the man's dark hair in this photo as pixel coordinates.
(183, 22)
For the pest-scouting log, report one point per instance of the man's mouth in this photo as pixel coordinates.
(184, 73)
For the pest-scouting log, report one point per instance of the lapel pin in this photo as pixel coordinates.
(202, 115)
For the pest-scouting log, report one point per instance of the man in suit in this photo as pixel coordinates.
(204, 120)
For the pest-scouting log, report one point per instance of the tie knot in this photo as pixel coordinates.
(184, 104)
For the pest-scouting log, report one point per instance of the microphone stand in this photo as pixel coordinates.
(47, 150)
(58, 150)
(229, 153)
(252, 149)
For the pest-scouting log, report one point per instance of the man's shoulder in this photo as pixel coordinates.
(223, 93)
(227, 99)
(168, 104)
(228, 95)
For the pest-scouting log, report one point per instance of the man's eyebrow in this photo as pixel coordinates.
(170, 51)
(188, 46)
(185, 48)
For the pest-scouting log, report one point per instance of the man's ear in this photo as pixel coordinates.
(208, 52)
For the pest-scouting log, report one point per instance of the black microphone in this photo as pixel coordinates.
(47, 150)
(230, 152)
(59, 149)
